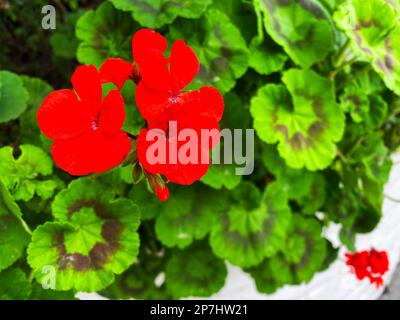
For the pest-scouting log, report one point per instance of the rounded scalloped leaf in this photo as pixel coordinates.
(14, 234)
(304, 254)
(14, 285)
(149, 205)
(13, 96)
(254, 227)
(265, 60)
(271, 274)
(222, 175)
(302, 28)
(95, 238)
(374, 32)
(157, 13)
(303, 117)
(21, 176)
(222, 50)
(305, 248)
(188, 215)
(104, 33)
(194, 272)
(305, 187)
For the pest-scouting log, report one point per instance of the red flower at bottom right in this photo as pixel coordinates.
(372, 264)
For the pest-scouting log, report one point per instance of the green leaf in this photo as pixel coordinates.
(265, 60)
(14, 285)
(104, 33)
(188, 215)
(147, 201)
(222, 175)
(13, 96)
(302, 28)
(134, 122)
(144, 279)
(303, 117)
(236, 116)
(38, 293)
(157, 13)
(254, 227)
(361, 99)
(37, 92)
(63, 41)
(194, 272)
(14, 234)
(95, 237)
(303, 255)
(374, 34)
(23, 176)
(241, 13)
(220, 47)
(270, 275)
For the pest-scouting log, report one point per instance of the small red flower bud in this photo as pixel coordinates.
(162, 193)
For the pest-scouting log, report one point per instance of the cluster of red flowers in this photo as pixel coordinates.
(371, 264)
(86, 128)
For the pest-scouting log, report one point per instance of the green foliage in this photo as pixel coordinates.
(318, 81)
(93, 238)
(104, 32)
(13, 96)
(194, 272)
(303, 117)
(14, 234)
(157, 13)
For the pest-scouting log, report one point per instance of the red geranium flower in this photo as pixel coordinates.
(85, 128)
(371, 264)
(160, 99)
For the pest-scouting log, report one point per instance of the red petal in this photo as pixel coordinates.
(93, 152)
(86, 82)
(150, 103)
(62, 116)
(113, 113)
(211, 102)
(154, 71)
(116, 70)
(147, 39)
(184, 65)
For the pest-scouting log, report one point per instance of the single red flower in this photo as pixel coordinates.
(86, 129)
(372, 264)
(161, 100)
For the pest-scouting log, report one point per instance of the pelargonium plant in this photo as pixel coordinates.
(84, 208)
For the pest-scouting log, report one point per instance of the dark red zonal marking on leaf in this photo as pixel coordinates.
(98, 255)
(99, 209)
